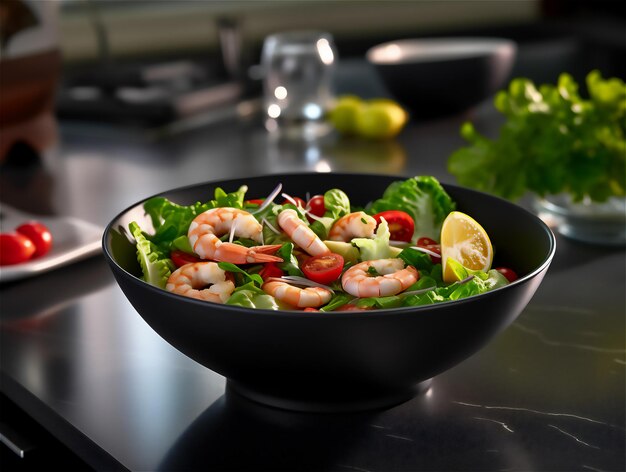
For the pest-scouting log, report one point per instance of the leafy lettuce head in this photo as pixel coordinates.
(423, 198)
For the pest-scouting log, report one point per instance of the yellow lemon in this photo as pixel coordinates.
(465, 241)
(381, 119)
(343, 115)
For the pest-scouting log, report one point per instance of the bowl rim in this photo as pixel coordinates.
(483, 46)
(423, 309)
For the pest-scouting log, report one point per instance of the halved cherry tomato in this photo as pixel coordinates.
(323, 269)
(180, 258)
(316, 205)
(270, 270)
(39, 234)
(510, 275)
(431, 245)
(401, 225)
(15, 248)
(426, 242)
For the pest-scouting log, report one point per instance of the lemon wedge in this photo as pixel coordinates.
(465, 241)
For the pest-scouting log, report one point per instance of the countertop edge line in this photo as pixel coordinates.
(63, 430)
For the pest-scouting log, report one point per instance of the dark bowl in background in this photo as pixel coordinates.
(344, 360)
(436, 77)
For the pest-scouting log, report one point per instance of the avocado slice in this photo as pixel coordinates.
(345, 250)
(351, 253)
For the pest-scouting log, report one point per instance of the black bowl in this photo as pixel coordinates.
(443, 76)
(343, 360)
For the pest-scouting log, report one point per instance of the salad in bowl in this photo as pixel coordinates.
(409, 247)
(330, 292)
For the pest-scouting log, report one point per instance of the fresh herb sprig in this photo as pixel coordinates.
(553, 141)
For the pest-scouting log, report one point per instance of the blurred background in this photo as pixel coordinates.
(126, 60)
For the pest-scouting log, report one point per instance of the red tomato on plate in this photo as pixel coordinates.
(39, 234)
(180, 258)
(15, 248)
(401, 225)
(323, 269)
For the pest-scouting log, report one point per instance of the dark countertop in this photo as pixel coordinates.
(547, 394)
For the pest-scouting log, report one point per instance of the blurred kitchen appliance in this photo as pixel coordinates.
(152, 93)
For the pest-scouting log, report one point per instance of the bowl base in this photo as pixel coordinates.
(358, 403)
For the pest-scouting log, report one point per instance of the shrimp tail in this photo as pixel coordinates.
(266, 258)
(267, 249)
(265, 253)
(238, 254)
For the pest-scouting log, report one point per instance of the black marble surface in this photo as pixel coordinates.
(547, 394)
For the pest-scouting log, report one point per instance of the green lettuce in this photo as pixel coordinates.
(156, 267)
(171, 220)
(417, 259)
(337, 301)
(247, 277)
(290, 263)
(552, 141)
(423, 198)
(337, 203)
(377, 247)
(480, 282)
(251, 296)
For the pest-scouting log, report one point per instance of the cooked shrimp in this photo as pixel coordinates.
(201, 280)
(301, 234)
(205, 231)
(394, 278)
(353, 225)
(296, 296)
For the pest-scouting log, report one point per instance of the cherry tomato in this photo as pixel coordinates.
(323, 269)
(256, 201)
(39, 234)
(401, 225)
(432, 246)
(270, 270)
(426, 242)
(508, 273)
(180, 258)
(316, 205)
(15, 248)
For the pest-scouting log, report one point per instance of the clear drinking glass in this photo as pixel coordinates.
(298, 71)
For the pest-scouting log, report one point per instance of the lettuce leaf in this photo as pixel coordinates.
(155, 265)
(423, 198)
(290, 263)
(337, 203)
(171, 220)
(481, 282)
(552, 141)
(251, 296)
(377, 247)
(337, 301)
(249, 278)
(417, 259)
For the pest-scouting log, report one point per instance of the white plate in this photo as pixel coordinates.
(72, 240)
